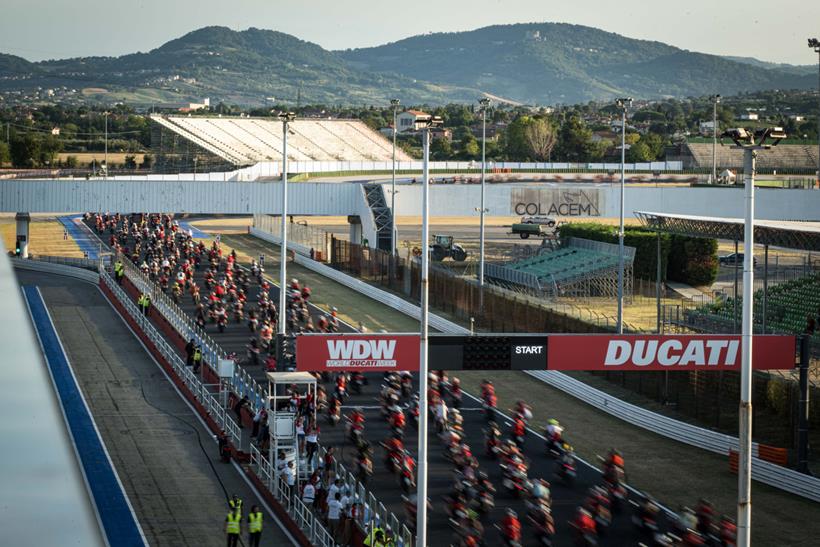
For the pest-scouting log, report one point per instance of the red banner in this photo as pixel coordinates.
(668, 352)
(364, 352)
(397, 352)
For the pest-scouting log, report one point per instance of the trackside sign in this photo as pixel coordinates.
(669, 352)
(356, 352)
(400, 352)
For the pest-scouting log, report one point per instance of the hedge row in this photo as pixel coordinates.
(685, 259)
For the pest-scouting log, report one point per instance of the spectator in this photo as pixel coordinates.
(334, 489)
(257, 420)
(189, 353)
(309, 494)
(334, 513)
(290, 478)
(300, 433)
(311, 442)
(237, 408)
(811, 326)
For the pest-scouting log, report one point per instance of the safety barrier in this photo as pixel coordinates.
(301, 514)
(58, 269)
(783, 478)
(207, 399)
(241, 382)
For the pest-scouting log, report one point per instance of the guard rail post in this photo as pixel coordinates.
(803, 408)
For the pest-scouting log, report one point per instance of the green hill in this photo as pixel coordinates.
(537, 63)
(562, 63)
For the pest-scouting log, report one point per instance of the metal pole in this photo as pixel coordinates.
(803, 408)
(621, 227)
(106, 145)
(482, 206)
(744, 502)
(765, 285)
(421, 479)
(658, 286)
(393, 191)
(284, 254)
(714, 141)
(734, 296)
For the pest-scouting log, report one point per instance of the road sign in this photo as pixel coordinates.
(385, 352)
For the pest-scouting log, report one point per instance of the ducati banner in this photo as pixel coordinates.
(400, 352)
(667, 352)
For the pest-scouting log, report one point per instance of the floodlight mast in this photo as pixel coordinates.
(394, 104)
(484, 103)
(814, 43)
(421, 479)
(623, 105)
(750, 142)
(286, 118)
(715, 101)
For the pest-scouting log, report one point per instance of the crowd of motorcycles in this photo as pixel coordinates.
(169, 257)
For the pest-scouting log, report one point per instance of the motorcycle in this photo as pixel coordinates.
(515, 480)
(566, 469)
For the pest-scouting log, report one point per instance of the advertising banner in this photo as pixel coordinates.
(667, 352)
(400, 352)
(557, 202)
(363, 352)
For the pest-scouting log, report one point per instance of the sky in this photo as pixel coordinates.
(774, 30)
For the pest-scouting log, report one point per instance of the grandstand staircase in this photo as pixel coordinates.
(382, 215)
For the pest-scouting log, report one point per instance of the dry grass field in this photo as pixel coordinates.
(84, 158)
(46, 238)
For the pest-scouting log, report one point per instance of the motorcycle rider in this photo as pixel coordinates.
(511, 529)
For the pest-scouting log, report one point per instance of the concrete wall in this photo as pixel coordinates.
(580, 200)
(341, 199)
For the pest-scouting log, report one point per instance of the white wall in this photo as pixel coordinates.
(773, 204)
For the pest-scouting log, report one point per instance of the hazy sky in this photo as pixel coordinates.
(773, 30)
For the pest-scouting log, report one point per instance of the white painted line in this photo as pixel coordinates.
(93, 422)
(196, 414)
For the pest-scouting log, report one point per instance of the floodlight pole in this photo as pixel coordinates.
(286, 118)
(715, 101)
(106, 144)
(485, 103)
(744, 502)
(815, 44)
(421, 479)
(393, 250)
(623, 104)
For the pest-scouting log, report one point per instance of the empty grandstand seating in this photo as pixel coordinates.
(581, 267)
(783, 156)
(788, 307)
(245, 141)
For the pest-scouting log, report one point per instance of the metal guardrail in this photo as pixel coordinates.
(301, 514)
(783, 478)
(58, 269)
(241, 382)
(210, 402)
(762, 471)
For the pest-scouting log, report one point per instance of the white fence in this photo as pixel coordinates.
(762, 471)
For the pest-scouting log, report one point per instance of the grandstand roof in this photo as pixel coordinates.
(781, 233)
(794, 156)
(246, 141)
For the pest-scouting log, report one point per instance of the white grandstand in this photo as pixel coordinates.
(246, 141)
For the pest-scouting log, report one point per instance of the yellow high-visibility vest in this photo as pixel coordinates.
(233, 522)
(255, 522)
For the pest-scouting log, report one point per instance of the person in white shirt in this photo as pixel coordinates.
(290, 477)
(309, 494)
(333, 489)
(334, 513)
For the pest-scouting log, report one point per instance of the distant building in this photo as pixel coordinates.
(191, 107)
(750, 116)
(55, 131)
(707, 128)
(797, 118)
(407, 120)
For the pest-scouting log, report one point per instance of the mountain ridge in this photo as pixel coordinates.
(534, 63)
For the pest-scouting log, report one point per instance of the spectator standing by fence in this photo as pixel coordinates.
(334, 513)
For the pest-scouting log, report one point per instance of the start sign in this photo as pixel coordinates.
(386, 352)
